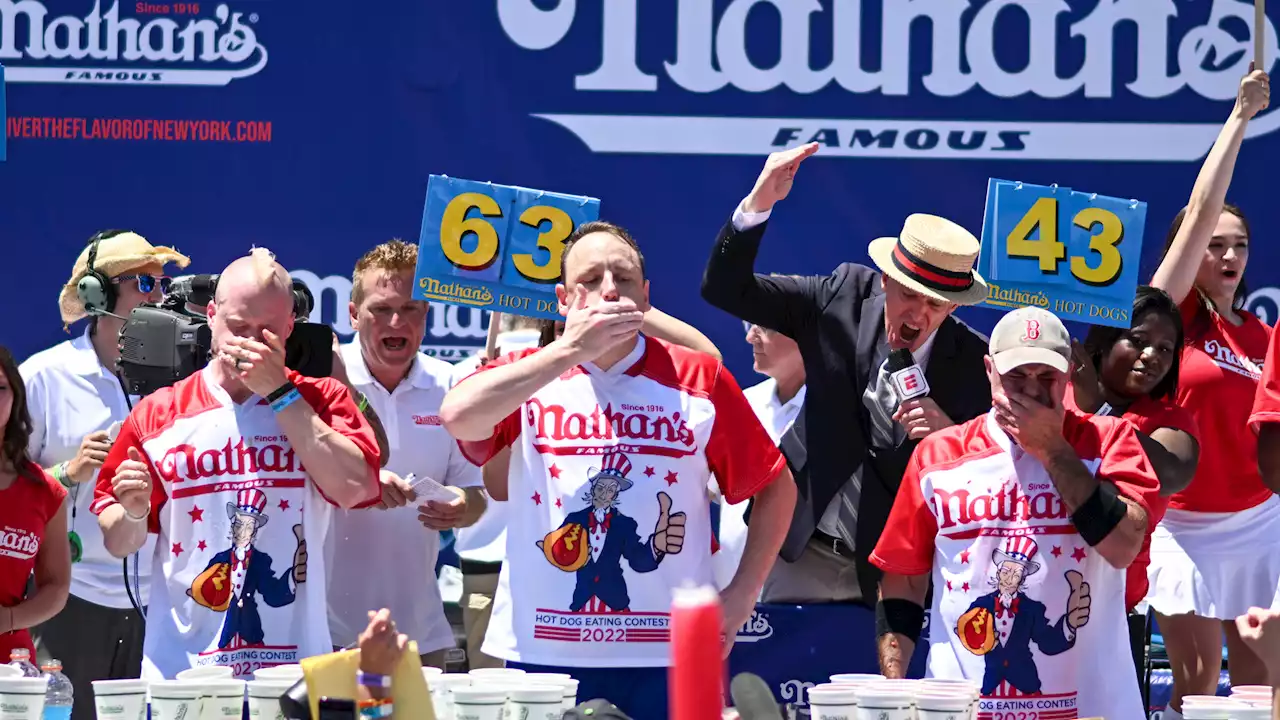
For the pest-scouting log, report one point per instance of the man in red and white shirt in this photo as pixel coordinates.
(235, 468)
(1024, 519)
(616, 435)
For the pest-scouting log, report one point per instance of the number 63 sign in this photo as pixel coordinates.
(1075, 254)
(496, 247)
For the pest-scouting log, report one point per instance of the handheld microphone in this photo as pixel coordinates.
(752, 698)
(906, 376)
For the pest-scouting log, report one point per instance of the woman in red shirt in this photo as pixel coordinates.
(1133, 374)
(1217, 551)
(33, 524)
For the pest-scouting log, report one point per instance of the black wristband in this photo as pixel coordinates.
(1100, 514)
(903, 617)
(280, 391)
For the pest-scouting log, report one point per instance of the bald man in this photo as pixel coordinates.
(236, 469)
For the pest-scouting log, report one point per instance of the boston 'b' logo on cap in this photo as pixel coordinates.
(1032, 332)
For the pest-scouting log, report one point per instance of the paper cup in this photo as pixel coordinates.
(535, 702)
(944, 706)
(494, 673)
(1253, 712)
(120, 699)
(208, 672)
(833, 701)
(264, 698)
(175, 700)
(570, 689)
(441, 687)
(222, 700)
(22, 698)
(844, 678)
(471, 702)
(881, 701)
(291, 672)
(9, 671)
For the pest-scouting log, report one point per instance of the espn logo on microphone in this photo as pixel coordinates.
(909, 383)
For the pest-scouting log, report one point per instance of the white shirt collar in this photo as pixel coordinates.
(795, 402)
(83, 359)
(358, 370)
(921, 356)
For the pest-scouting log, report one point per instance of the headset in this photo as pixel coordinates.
(95, 290)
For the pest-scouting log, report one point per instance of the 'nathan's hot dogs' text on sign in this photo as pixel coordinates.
(1075, 254)
(495, 247)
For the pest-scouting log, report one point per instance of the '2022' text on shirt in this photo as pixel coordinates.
(236, 515)
(607, 459)
(1011, 572)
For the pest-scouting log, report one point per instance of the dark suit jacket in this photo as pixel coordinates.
(838, 321)
(603, 578)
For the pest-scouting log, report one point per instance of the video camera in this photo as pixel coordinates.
(165, 342)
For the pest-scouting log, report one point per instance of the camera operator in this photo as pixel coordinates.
(236, 468)
(384, 363)
(75, 398)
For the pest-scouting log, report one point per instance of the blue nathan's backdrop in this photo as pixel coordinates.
(312, 129)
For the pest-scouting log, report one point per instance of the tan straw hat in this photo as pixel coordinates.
(117, 255)
(933, 256)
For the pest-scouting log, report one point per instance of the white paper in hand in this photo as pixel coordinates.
(427, 488)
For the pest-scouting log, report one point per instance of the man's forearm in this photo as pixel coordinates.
(477, 501)
(475, 406)
(1076, 485)
(121, 534)
(334, 462)
(770, 517)
(896, 648)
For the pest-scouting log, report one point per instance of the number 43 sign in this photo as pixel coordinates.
(495, 247)
(1075, 254)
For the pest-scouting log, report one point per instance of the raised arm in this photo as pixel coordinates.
(730, 281)
(1177, 272)
(664, 327)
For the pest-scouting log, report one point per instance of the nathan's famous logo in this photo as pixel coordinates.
(455, 291)
(1008, 504)
(632, 422)
(700, 46)
(105, 47)
(187, 462)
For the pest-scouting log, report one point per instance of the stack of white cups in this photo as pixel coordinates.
(492, 693)
(206, 693)
(1214, 707)
(872, 697)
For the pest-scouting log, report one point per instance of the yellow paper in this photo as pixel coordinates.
(334, 675)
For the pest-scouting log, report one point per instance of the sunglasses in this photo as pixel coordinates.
(146, 283)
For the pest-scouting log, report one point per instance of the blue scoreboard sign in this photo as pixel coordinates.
(4, 118)
(1073, 253)
(495, 247)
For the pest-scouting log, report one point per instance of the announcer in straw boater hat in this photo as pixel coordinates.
(849, 447)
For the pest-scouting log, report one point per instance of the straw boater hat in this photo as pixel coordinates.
(117, 255)
(933, 256)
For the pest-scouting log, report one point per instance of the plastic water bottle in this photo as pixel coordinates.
(58, 700)
(21, 659)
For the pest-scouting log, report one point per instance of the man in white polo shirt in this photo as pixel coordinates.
(608, 510)
(75, 398)
(405, 388)
(1025, 520)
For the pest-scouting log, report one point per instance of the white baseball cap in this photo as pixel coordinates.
(1030, 336)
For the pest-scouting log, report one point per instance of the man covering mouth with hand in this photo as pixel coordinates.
(850, 444)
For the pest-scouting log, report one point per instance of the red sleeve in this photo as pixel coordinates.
(130, 436)
(1158, 415)
(1266, 399)
(479, 452)
(1125, 464)
(739, 451)
(332, 401)
(55, 494)
(906, 546)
